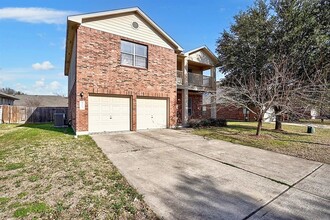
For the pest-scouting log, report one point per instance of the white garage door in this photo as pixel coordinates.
(151, 113)
(108, 114)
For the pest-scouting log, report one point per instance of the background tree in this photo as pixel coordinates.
(277, 57)
(11, 91)
(244, 53)
(300, 42)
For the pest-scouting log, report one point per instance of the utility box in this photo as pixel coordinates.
(310, 129)
(59, 120)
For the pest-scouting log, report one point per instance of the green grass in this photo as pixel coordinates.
(4, 200)
(293, 140)
(47, 173)
(14, 166)
(22, 195)
(33, 178)
(33, 208)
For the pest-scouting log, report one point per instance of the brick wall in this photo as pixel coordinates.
(231, 113)
(99, 71)
(197, 101)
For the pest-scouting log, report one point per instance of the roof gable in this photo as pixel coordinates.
(155, 35)
(122, 26)
(129, 13)
(202, 55)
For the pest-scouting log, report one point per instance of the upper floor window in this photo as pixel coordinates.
(133, 54)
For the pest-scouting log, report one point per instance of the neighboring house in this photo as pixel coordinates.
(315, 113)
(41, 101)
(6, 99)
(33, 109)
(235, 113)
(320, 112)
(125, 73)
(232, 112)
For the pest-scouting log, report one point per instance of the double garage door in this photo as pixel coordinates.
(114, 113)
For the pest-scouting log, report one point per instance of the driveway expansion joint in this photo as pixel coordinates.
(219, 161)
(208, 180)
(276, 197)
(313, 194)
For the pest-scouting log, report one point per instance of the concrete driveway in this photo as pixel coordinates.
(184, 176)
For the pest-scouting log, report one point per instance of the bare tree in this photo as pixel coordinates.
(32, 102)
(287, 39)
(298, 92)
(321, 99)
(277, 85)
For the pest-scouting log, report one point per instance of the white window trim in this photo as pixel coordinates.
(134, 55)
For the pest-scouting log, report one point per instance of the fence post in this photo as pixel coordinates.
(0, 114)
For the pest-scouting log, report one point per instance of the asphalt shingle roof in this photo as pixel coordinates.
(43, 100)
(4, 95)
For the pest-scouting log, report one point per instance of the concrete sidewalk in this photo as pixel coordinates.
(306, 124)
(184, 176)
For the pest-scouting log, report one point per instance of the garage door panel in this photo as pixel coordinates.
(151, 113)
(108, 114)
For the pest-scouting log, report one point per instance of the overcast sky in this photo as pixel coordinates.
(32, 33)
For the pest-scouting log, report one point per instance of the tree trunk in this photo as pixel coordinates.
(278, 117)
(259, 125)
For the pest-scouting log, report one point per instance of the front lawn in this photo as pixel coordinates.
(292, 141)
(47, 173)
(315, 121)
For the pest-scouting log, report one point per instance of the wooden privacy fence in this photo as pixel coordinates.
(22, 114)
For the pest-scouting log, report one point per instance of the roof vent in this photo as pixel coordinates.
(135, 25)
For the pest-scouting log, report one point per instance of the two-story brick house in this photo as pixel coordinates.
(125, 73)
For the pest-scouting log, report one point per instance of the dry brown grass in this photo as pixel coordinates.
(47, 173)
(293, 140)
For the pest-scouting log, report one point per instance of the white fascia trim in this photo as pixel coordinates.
(194, 50)
(78, 18)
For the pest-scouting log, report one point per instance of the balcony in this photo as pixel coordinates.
(179, 77)
(196, 80)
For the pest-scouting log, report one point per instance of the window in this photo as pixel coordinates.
(133, 54)
(189, 106)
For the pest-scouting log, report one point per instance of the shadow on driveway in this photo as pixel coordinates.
(200, 198)
(182, 177)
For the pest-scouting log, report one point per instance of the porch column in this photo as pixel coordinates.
(214, 105)
(214, 95)
(185, 92)
(213, 75)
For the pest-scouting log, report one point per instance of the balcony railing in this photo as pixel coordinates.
(195, 79)
(179, 77)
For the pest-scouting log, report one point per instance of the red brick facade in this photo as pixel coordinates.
(233, 113)
(197, 102)
(99, 72)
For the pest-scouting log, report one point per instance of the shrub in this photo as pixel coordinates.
(196, 123)
(220, 123)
